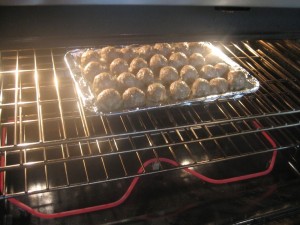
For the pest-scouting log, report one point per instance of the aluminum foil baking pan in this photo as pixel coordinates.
(85, 92)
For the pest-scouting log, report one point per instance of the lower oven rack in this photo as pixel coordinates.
(50, 143)
(135, 180)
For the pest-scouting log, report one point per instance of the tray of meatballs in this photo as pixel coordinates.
(120, 79)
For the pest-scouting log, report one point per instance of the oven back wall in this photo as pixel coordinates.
(60, 25)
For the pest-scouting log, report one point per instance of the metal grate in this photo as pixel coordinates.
(50, 142)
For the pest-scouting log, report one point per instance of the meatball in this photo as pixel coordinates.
(168, 74)
(200, 88)
(188, 74)
(127, 80)
(109, 53)
(181, 47)
(178, 60)
(118, 66)
(137, 64)
(133, 98)
(145, 76)
(156, 93)
(103, 81)
(236, 80)
(212, 59)
(109, 100)
(91, 70)
(218, 85)
(222, 69)
(157, 62)
(179, 90)
(196, 47)
(164, 49)
(128, 53)
(197, 60)
(208, 72)
(89, 56)
(146, 52)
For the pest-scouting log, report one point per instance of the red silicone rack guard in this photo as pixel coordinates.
(135, 180)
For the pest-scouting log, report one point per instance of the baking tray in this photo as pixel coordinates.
(85, 92)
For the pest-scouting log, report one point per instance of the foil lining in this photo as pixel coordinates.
(84, 89)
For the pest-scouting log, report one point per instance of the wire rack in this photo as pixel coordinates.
(49, 142)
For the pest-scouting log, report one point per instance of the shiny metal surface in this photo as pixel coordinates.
(229, 3)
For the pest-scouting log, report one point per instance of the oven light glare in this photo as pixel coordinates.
(37, 187)
(32, 163)
(185, 162)
(217, 51)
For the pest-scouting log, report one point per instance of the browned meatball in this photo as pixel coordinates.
(156, 93)
(146, 51)
(118, 66)
(222, 69)
(197, 60)
(110, 53)
(127, 80)
(103, 81)
(197, 47)
(178, 60)
(157, 62)
(128, 53)
(179, 90)
(237, 80)
(91, 70)
(188, 74)
(200, 88)
(89, 56)
(218, 85)
(133, 98)
(109, 100)
(145, 76)
(208, 72)
(181, 47)
(137, 64)
(164, 49)
(168, 74)
(212, 59)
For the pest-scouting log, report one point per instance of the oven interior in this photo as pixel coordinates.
(143, 167)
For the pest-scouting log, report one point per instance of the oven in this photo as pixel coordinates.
(230, 161)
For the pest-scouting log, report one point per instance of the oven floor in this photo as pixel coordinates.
(175, 198)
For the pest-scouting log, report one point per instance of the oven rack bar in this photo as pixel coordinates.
(126, 177)
(46, 131)
(168, 129)
(74, 158)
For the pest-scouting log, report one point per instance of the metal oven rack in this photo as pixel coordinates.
(49, 142)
